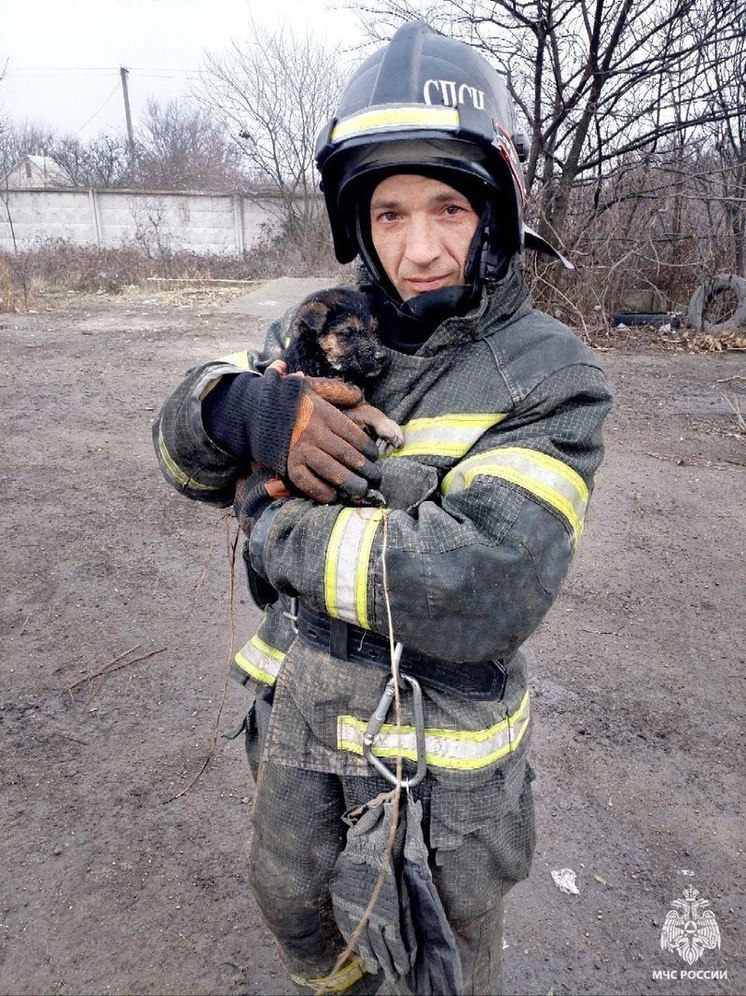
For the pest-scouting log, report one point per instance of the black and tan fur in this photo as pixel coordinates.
(334, 334)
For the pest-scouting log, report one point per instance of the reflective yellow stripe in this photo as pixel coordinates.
(347, 563)
(396, 117)
(240, 359)
(548, 478)
(259, 660)
(445, 435)
(175, 471)
(335, 983)
(463, 750)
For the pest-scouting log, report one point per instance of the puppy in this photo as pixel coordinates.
(333, 340)
(334, 335)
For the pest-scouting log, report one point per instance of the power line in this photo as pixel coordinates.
(17, 70)
(98, 111)
(51, 74)
(91, 72)
(63, 69)
(164, 69)
(165, 76)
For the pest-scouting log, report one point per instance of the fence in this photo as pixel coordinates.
(189, 220)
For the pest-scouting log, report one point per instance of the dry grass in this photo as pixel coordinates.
(58, 266)
(8, 295)
(57, 271)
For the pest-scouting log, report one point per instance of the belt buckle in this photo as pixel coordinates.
(378, 718)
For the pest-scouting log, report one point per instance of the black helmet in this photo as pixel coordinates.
(428, 104)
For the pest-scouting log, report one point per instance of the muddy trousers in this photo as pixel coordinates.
(298, 834)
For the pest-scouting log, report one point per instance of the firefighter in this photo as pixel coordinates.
(501, 408)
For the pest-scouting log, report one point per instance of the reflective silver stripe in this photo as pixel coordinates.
(175, 472)
(259, 660)
(463, 750)
(550, 479)
(396, 117)
(445, 435)
(347, 561)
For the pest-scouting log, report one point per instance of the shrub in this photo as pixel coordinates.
(59, 264)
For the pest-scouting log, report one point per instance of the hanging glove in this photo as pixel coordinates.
(282, 424)
(437, 967)
(382, 944)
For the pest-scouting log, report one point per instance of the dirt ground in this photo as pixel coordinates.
(110, 885)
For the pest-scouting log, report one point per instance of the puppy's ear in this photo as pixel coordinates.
(312, 316)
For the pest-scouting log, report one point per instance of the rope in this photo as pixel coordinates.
(394, 795)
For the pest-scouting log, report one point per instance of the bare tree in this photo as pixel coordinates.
(101, 162)
(153, 233)
(275, 94)
(730, 98)
(24, 139)
(17, 141)
(596, 82)
(183, 146)
(74, 157)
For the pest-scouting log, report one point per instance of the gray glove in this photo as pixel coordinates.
(437, 968)
(382, 945)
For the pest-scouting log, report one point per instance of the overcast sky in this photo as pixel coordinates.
(62, 57)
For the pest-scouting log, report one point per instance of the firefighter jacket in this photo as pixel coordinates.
(502, 412)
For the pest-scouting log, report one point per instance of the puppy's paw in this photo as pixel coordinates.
(379, 425)
(390, 433)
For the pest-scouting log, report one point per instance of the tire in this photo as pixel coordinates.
(704, 294)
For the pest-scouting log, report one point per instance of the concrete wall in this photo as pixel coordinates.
(200, 222)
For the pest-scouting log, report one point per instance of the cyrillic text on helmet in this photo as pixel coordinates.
(452, 93)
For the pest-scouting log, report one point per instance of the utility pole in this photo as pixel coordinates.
(130, 137)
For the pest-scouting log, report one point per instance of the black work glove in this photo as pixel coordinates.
(282, 424)
(253, 495)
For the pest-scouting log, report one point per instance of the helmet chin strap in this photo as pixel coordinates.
(432, 307)
(488, 259)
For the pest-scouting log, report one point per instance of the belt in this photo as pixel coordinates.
(477, 680)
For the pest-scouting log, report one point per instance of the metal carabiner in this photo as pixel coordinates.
(378, 718)
(292, 614)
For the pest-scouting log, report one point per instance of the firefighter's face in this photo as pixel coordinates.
(422, 230)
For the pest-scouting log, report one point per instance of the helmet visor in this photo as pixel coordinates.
(452, 161)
